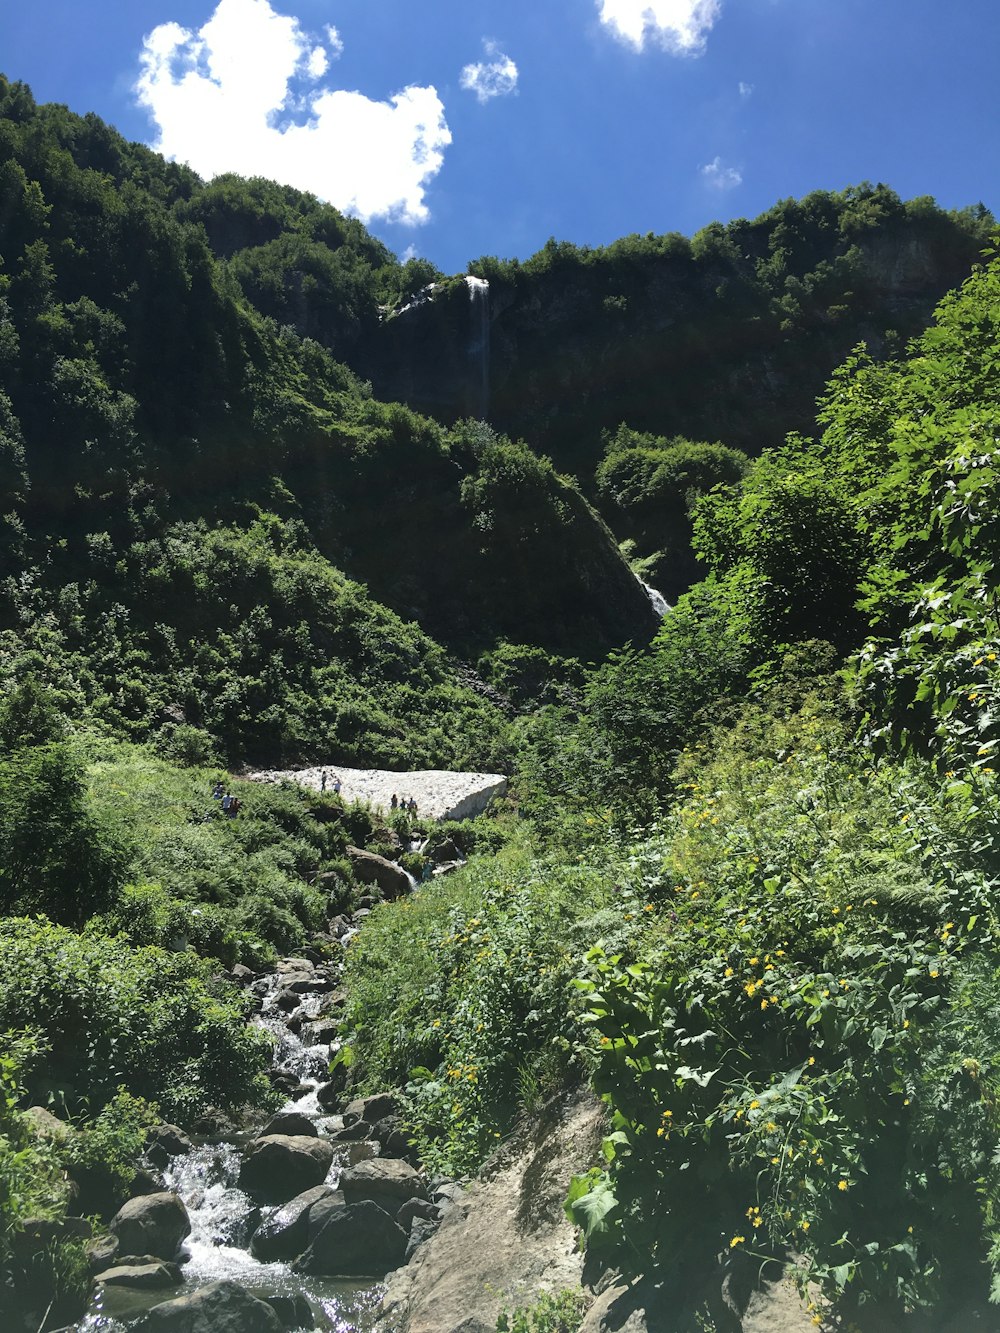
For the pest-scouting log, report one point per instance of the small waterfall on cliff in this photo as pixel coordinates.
(659, 603)
(479, 347)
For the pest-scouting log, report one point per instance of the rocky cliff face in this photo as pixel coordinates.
(698, 347)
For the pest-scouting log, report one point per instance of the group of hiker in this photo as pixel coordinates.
(230, 804)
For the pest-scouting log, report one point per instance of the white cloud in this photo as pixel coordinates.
(223, 99)
(679, 26)
(334, 41)
(745, 89)
(494, 77)
(719, 176)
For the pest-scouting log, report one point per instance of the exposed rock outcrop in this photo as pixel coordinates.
(507, 1238)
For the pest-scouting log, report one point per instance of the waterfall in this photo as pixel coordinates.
(479, 347)
(659, 603)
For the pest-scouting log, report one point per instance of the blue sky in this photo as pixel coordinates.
(458, 128)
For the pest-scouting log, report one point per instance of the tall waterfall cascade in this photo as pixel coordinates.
(479, 344)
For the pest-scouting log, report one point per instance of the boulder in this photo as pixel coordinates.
(151, 1224)
(46, 1125)
(284, 1233)
(279, 1166)
(413, 1209)
(444, 851)
(372, 1109)
(329, 1095)
(293, 1311)
(352, 1133)
(321, 1212)
(223, 1307)
(372, 869)
(388, 1134)
(386, 1181)
(290, 1122)
(172, 1140)
(145, 1182)
(321, 1032)
(358, 1239)
(311, 985)
(141, 1277)
(213, 1124)
(102, 1252)
(420, 1230)
(242, 975)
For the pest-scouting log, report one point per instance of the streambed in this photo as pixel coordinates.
(223, 1217)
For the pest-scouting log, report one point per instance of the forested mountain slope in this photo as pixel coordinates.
(177, 470)
(727, 336)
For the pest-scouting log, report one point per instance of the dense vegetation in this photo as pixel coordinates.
(789, 998)
(747, 882)
(190, 482)
(729, 334)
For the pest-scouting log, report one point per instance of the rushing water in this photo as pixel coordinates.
(659, 603)
(223, 1218)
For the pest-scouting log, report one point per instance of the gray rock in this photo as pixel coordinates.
(386, 1181)
(242, 975)
(321, 1032)
(352, 1133)
(46, 1125)
(166, 1141)
(102, 1252)
(359, 1239)
(151, 1224)
(329, 1095)
(172, 1139)
(279, 1166)
(142, 1277)
(389, 1135)
(223, 1307)
(372, 1109)
(284, 1233)
(421, 1230)
(372, 869)
(290, 1122)
(145, 1182)
(213, 1124)
(321, 1212)
(416, 1208)
(444, 851)
(314, 985)
(293, 1311)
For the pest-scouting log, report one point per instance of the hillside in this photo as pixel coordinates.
(741, 881)
(202, 483)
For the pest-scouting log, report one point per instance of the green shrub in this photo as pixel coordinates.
(561, 1313)
(803, 1054)
(460, 991)
(160, 1025)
